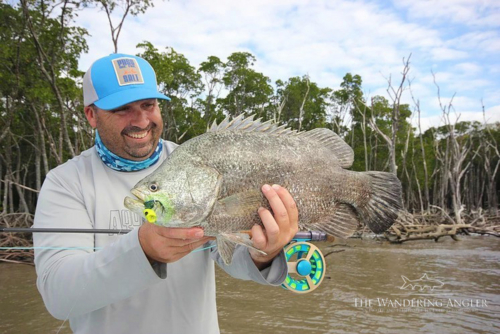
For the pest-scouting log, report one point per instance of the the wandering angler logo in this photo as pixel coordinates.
(421, 284)
(423, 294)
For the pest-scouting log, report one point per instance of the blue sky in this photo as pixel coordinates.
(457, 40)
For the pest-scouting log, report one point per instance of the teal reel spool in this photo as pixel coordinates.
(306, 263)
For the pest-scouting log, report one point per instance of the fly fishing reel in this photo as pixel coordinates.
(306, 263)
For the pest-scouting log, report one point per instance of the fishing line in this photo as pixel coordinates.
(202, 249)
(78, 248)
(49, 248)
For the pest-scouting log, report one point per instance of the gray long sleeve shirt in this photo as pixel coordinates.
(104, 283)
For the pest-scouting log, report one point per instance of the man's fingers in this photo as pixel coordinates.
(193, 245)
(179, 233)
(173, 253)
(259, 239)
(180, 243)
(280, 212)
(272, 229)
(179, 252)
(290, 206)
(169, 244)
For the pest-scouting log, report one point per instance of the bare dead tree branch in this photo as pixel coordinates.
(301, 111)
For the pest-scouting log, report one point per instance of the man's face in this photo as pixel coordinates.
(131, 131)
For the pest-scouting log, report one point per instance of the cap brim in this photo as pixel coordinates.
(123, 97)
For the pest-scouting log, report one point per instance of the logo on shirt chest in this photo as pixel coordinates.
(124, 220)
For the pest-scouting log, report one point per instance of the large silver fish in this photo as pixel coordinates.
(214, 180)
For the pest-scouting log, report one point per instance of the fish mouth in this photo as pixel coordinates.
(135, 204)
(139, 194)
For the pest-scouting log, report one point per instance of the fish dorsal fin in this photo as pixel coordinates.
(248, 124)
(337, 145)
(325, 137)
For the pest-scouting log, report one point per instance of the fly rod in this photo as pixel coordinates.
(61, 230)
(302, 235)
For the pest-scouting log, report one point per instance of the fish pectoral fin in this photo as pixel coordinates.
(226, 243)
(226, 250)
(340, 221)
(241, 204)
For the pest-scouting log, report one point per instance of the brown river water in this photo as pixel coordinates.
(363, 292)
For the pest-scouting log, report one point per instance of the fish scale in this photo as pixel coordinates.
(214, 180)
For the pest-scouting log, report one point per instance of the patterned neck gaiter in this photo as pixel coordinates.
(124, 165)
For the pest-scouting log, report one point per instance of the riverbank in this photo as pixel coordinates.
(14, 247)
(363, 292)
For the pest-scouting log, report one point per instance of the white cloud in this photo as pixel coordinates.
(491, 115)
(485, 41)
(327, 39)
(468, 68)
(443, 53)
(469, 12)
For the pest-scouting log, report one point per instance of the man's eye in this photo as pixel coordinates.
(119, 110)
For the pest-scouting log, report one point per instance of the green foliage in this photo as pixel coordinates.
(38, 54)
(182, 83)
(212, 71)
(248, 91)
(350, 92)
(299, 93)
(40, 99)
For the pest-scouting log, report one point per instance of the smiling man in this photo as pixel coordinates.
(131, 131)
(149, 280)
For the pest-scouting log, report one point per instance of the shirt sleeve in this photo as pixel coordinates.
(73, 277)
(243, 267)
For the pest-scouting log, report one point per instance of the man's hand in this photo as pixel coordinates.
(167, 245)
(279, 230)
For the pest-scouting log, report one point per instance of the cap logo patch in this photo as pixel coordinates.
(127, 71)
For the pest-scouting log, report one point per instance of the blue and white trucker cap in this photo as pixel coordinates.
(119, 79)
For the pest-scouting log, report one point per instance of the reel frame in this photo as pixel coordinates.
(306, 263)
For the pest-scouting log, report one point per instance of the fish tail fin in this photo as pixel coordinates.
(385, 201)
(406, 283)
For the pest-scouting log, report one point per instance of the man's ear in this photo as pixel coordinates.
(90, 113)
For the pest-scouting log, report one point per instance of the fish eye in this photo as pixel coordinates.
(153, 187)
